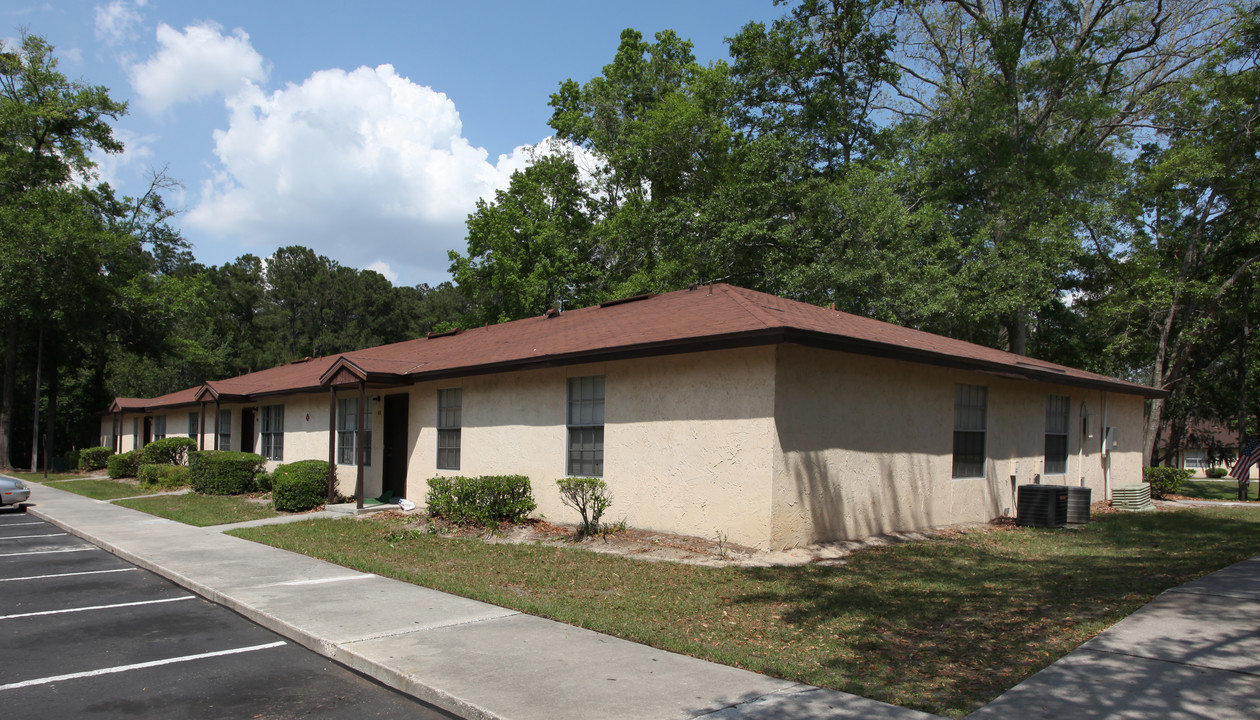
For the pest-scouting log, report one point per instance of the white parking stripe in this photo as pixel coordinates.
(61, 575)
(23, 537)
(46, 552)
(96, 607)
(8, 524)
(137, 666)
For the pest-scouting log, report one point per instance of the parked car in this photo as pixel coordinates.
(13, 491)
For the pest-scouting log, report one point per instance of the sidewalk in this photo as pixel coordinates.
(475, 660)
(1193, 652)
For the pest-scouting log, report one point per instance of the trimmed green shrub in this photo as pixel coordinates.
(153, 476)
(300, 486)
(1165, 480)
(1216, 473)
(123, 465)
(72, 459)
(590, 497)
(168, 451)
(264, 481)
(486, 499)
(94, 458)
(219, 472)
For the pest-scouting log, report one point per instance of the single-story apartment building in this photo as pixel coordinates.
(714, 409)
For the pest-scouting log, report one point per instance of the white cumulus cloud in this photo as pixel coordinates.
(196, 63)
(364, 166)
(116, 22)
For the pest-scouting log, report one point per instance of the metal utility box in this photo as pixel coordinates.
(1042, 505)
(1078, 505)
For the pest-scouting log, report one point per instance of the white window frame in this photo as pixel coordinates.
(159, 427)
(271, 433)
(223, 429)
(971, 419)
(1058, 424)
(347, 421)
(584, 423)
(450, 423)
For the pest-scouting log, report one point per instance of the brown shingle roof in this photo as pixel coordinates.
(706, 317)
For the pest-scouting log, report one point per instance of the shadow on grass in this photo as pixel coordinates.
(945, 626)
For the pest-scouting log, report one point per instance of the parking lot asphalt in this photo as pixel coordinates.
(84, 633)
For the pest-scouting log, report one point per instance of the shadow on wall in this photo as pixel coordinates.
(884, 494)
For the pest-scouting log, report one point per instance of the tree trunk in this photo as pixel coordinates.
(39, 358)
(1245, 336)
(6, 404)
(50, 435)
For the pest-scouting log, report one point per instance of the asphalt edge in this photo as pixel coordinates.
(336, 652)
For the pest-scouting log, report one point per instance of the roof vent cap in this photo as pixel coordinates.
(551, 312)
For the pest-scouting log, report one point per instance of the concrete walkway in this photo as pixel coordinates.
(475, 660)
(1193, 652)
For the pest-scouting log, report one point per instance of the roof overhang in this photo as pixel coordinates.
(345, 371)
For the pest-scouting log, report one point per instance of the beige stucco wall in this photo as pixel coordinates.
(687, 439)
(306, 437)
(865, 445)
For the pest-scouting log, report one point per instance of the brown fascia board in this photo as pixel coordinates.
(372, 378)
(1017, 371)
(776, 335)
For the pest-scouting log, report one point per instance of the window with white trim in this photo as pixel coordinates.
(193, 419)
(159, 427)
(970, 420)
(449, 428)
(273, 432)
(1057, 414)
(347, 424)
(585, 422)
(225, 429)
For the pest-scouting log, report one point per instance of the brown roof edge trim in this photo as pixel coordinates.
(769, 336)
(775, 335)
(1016, 370)
(342, 363)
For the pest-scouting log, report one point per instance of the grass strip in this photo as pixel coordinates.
(202, 510)
(943, 625)
(38, 477)
(96, 489)
(1217, 489)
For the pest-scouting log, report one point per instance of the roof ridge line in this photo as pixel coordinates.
(747, 306)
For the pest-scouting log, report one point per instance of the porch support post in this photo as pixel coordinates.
(201, 433)
(332, 443)
(117, 441)
(218, 431)
(358, 444)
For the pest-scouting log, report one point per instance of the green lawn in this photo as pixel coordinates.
(1216, 489)
(942, 625)
(39, 476)
(98, 489)
(202, 510)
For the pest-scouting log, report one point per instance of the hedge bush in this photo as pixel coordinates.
(219, 472)
(1165, 480)
(154, 476)
(72, 460)
(123, 465)
(168, 451)
(590, 497)
(300, 486)
(1216, 473)
(94, 458)
(486, 499)
(264, 482)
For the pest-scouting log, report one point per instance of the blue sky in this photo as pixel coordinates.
(366, 131)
